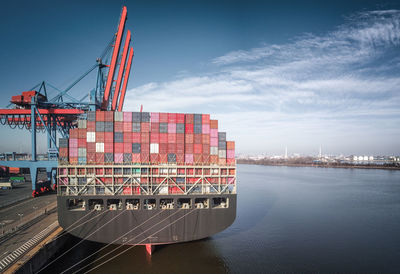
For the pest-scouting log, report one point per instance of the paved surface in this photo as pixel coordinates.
(21, 237)
(19, 192)
(24, 211)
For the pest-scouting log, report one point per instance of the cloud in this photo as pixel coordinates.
(339, 89)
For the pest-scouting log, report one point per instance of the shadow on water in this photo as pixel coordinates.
(192, 257)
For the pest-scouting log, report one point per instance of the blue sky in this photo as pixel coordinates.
(275, 73)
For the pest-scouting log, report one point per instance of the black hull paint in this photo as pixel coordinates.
(157, 226)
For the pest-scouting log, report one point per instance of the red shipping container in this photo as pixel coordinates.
(136, 137)
(100, 116)
(127, 126)
(180, 158)
(189, 138)
(205, 139)
(91, 157)
(109, 147)
(99, 137)
(154, 138)
(128, 138)
(180, 138)
(127, 147)
(163, 138)
(205, 119)
(163, 148)
(189, 128)
(118, 126)
(206, 149)
(91, 126)
(109, 116)
(154, 158)
(73, 133)
(163, 117)
(63, 151)
(171, 148)
(119, 148)
(197, 158)
(145, 137)
(171, 138)
(145, 147)
(81, 142)
(91, 147)
(155, 127)
(230, 162)
(118, 157)
(230, 145)
(109, 137)
(198, 148)
(135, 157)
(145, 127)
(172, 118)
(222, 161)
(198, 138)
(82, 133)
(180, 148)
(73, 160)
(189, 118)
(163, 158)
(99, 157)
(155, 117)
(144, 157)
(127, 117)
(214, 159)
(180, 118)
(189, 148)
(214, 124)
(206, 158)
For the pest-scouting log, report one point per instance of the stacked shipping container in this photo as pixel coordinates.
(142, 137)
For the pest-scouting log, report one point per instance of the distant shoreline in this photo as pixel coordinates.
(258, 162)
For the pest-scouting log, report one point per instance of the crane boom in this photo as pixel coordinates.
(114, 58)
(121, 69)
(126, 77)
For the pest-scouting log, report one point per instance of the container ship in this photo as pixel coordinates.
(141, 178)
(146, 178)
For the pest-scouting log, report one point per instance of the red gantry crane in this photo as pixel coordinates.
(35, 111)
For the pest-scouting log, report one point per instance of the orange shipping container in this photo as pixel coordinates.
(230, 145)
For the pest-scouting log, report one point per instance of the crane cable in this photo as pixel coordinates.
(123, 235)
(122, 252)
(68, 228)
(82, 240)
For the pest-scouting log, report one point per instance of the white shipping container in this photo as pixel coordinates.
(222, 153)
(91, 137)
(100, 147)
(118, 116)
(81, 123)
(213, 150)
(81, 152)
(163, 190)
(154, 148)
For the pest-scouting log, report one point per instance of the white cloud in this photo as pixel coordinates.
(335, 89)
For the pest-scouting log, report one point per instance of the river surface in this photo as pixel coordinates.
(289, 219)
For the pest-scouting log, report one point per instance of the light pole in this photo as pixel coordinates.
(20, 218)
(35, 208)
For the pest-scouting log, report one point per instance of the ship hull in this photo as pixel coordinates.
(143, 226)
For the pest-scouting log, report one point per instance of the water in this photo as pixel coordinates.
(289, 219)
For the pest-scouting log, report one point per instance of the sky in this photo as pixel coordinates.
(296, 74)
